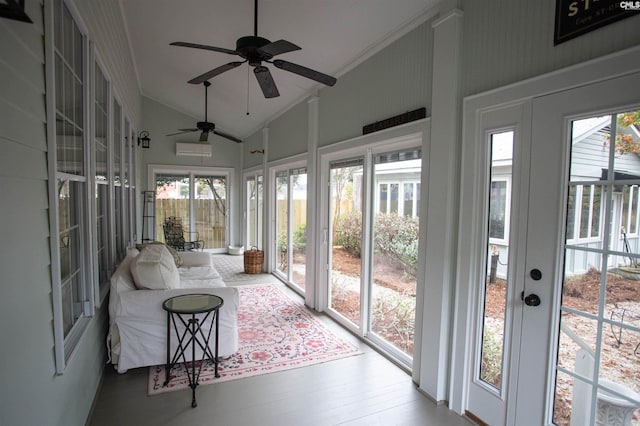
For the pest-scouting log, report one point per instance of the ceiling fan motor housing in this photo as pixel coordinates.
(206, 126)
(248, 47)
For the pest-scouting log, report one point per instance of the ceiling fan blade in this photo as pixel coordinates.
(278, 48)
(202, 46)
(204, 136)
(305, 72)
(214, 72)
(265, 80)
(228, 136)
(183, 131)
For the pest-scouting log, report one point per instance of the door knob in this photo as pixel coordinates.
(532, 300)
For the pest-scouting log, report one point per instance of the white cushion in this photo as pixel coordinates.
(121, 280)
(155, 269)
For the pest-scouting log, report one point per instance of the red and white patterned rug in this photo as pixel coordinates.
(276, 333)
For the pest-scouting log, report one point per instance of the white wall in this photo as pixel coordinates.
(506, 41)
(288, 133)
(392, 82)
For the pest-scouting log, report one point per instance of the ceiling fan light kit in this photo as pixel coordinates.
(255, 50)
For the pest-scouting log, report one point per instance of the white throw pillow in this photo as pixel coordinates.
(155, 269)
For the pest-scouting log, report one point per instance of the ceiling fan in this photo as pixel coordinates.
(205, 126)
(256, 50)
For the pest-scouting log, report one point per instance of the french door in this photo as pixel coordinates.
(557, 322)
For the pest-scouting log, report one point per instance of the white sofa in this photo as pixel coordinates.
(138, 325)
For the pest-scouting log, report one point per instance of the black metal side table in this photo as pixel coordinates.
(183, 310)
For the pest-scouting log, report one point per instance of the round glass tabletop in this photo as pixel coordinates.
(192, 303)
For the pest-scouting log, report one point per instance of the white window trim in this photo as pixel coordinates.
(254, 174)
(64, 348)
(634, 198)
(401, 198)
(577, 239)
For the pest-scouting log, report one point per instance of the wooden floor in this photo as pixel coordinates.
(360, 390)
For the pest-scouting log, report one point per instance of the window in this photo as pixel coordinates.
(84, 167)
(583, 220)
(101, 147)
(497, 209)
(117, 181)
(630, 209)
(398, 186)
(71, 254)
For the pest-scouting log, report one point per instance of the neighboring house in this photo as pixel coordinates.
(584, 228)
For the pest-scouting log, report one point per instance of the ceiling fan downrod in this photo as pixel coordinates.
(255, 22)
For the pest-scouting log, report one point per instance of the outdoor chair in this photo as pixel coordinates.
(174, 235)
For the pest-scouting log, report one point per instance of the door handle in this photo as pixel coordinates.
(530, 300)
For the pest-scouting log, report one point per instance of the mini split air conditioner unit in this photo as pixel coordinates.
(193, 149)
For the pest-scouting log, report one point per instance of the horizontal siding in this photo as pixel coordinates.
(26, 96)
(22, 161)
(25, 286)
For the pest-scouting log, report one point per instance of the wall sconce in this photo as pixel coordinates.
(144, 140)
(257, 151)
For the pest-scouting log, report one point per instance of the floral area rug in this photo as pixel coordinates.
(276, 333)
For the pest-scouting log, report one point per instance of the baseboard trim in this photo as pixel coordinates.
(474, 418)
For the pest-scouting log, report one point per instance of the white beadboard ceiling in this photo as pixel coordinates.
(333, 34)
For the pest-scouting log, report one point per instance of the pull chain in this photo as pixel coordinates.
(248, 90)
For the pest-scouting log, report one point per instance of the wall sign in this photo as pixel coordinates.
(577, 17)
(397, 120)
(14, 9)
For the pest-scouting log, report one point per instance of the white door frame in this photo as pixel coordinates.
(472, 194)
(411, 135)
(192, 171)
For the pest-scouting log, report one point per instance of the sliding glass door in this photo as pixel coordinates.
(345, 227)
(210, 208)
(254, 211)
(291, 218)
(394, 248)
(200, 199)
(372, 208)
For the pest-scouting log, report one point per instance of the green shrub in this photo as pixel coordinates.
(348, 232)
(397, 237)
(300, 237)
(491, 367)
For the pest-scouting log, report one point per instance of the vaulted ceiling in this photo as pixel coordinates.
(334, 35)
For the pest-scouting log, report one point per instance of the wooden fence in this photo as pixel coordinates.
(210, 220)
